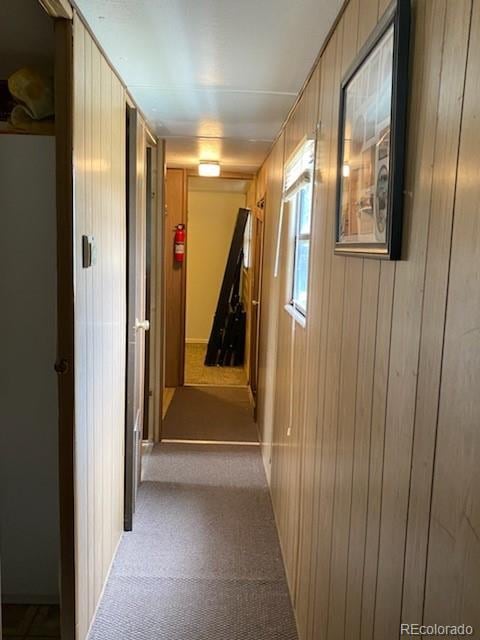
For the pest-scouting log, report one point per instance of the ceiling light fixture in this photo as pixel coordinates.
(208, 168)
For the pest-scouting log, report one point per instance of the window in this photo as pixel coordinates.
(301, 249)
(298, 194)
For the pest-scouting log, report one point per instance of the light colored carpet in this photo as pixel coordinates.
(197, 373)
(203, 561)
(210, 413)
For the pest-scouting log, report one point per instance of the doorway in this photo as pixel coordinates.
(212, 208)
(255, 301)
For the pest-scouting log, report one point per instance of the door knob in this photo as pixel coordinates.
(142, 324)
(255, 303)
(61, 366)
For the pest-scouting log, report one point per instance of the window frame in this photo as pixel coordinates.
(302, 165)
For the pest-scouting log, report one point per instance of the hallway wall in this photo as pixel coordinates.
(379, 389)
(269, 183)
(211, 221)
(100, 321)
(175, 278)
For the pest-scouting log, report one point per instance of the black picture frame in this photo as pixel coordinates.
(382, 199)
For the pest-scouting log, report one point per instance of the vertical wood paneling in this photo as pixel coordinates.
(359, 387)
(289, 407)
(82, 494)
(157, 346)
(406, 322)
(328, 408)
(363, 419)
(319, 291)
(309, 425)
(175, 278)
(453, 58)
(352, 292)
(377, 436)
(453, 585)
(270, 303)
(99, 201)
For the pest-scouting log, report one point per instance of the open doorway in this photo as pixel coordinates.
(30, 530)
(212, 209)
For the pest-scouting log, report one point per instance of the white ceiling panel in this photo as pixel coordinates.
(215, 113)
(218, 68)
(234, 154)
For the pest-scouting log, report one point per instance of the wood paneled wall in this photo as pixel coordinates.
(273, 172)
(157, 306)
(175, 278)
(100, 320)
(374, 409)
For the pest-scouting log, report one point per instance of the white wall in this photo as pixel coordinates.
(210, 225)
(100, 320)
(28, 392)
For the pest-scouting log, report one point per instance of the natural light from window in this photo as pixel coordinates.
(298, 195)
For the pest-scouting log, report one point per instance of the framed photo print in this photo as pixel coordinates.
(371, 149)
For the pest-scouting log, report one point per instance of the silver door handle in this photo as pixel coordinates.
(255, 303)
(142, 324)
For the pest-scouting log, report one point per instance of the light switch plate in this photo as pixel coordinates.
(89, 251)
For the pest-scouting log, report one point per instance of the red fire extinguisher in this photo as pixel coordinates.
(179, 250)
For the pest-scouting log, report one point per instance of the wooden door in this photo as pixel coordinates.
(136, 322)
(175, 279)
(255, 309)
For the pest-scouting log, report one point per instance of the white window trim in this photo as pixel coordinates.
(296, 314)
(297, 237)
(305, 176)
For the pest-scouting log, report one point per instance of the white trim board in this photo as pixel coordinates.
(235, 443)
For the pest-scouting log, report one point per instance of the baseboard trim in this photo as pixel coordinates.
(236, 443)
(215, 386)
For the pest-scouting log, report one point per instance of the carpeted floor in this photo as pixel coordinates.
(210, 413)
(197, 373)
(203, 561)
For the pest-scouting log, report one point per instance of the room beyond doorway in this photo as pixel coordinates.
(212, 206)
(196, 373)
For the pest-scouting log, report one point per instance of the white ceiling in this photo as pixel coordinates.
(216, 78)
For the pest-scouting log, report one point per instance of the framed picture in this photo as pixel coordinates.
(371, 145)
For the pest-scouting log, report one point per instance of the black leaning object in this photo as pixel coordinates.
(221, 342)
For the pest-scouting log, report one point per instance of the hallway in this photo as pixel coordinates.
(291, 189)
(203, 561)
